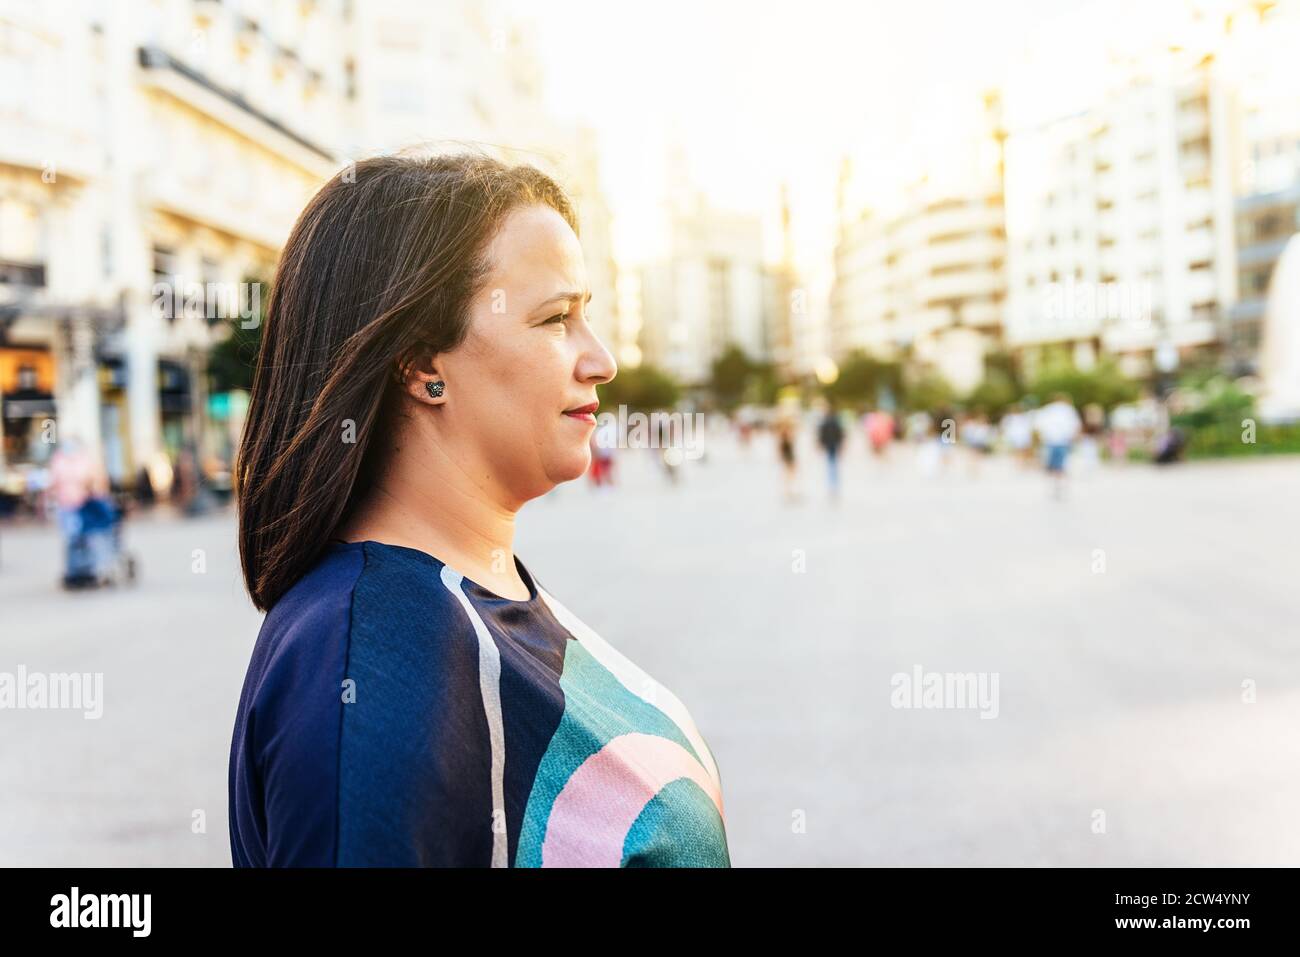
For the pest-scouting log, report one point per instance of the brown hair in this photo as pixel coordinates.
(377, 274)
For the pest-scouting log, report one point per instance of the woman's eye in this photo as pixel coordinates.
(561, 317)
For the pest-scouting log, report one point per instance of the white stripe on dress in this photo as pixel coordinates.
(489, 685)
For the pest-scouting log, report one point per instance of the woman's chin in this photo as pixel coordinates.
(572, 466)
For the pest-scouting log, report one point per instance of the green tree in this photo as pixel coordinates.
(764, 385)
(730, 375)
(862, 379)
(232, 360)
(995, 394)
(645, 388)
(928, 391)
(1103, 384)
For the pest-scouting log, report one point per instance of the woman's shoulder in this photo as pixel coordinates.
(361, 585)
(362, 615)
(358, 591)
(314, 612)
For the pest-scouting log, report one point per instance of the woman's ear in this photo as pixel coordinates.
(422, 381)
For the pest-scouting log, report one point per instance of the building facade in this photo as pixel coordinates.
(923, 278)
(154, 157)
(1119, 222)
(710, 292)
(144, 189)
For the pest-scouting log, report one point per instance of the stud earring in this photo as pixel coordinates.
(435, 389)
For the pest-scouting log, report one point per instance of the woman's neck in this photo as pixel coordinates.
(453, 518)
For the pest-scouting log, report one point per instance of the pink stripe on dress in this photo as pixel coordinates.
(593, 813)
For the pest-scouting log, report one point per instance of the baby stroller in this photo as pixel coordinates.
(95, 554)
(1169, 448)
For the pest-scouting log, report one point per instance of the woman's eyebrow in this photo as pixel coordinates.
(569, 297)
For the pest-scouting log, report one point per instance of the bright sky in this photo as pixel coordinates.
(762, 92)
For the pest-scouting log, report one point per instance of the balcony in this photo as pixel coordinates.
(1198, 204)
(22, 275)
(934, 291)
(973, 250)
(1202, 288)
(191, 87)
(1200, 245)
(963, 218)
(1193, 124)
(981, 313)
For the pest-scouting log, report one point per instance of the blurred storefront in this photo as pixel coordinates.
(26, 402)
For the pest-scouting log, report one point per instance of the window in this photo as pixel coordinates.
(214, 308)
(164, 274)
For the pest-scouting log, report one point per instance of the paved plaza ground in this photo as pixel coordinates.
(1120, 623)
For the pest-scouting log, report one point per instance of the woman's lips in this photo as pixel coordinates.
(584, 413)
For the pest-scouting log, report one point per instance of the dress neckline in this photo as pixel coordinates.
(480, 591)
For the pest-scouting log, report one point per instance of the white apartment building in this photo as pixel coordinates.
(147, 147)
(1260, 62)
(924, 277)
(1119, 219)
(709, 292)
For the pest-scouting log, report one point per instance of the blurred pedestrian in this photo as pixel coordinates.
(603, 440)
(830, 436)
(669, 445)
(1017, 428)
(880, 431)
(1058, 425)
(785, 438)
(1091, 435)
(76, 477)
(977, 434)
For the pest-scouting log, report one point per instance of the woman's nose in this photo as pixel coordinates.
(598, 362)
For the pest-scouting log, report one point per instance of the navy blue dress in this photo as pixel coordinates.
(396, 713)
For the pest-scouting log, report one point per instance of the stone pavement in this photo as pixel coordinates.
(1119, 625)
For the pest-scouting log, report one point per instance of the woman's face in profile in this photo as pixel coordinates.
(529, 356)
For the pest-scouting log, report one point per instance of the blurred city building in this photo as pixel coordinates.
(1120, 218)
(711, 291)
(154, 156)
(1260, 58)
(924, 278)
(1144, 223)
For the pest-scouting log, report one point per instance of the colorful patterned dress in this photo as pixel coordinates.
(397, 714)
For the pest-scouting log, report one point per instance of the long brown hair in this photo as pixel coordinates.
(377, 274)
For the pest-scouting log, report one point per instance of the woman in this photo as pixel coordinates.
(416, 696)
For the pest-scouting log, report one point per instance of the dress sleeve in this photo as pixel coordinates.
(416, 751)
(363, 738)
(284, 756)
